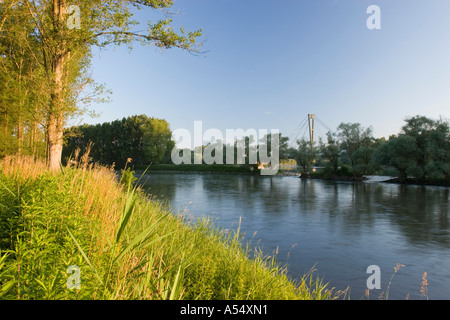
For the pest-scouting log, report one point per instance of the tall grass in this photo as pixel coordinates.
(126, 245)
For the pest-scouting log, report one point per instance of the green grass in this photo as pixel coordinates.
(126, 245)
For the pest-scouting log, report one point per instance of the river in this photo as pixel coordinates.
(339, 228)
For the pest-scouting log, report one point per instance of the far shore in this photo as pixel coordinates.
(418, 182)
(282, 173)
(393, 180)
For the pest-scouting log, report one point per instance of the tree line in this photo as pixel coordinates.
(421, 151)
(45, 61)
(139, 139)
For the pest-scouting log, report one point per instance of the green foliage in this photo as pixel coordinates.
(127, 177)
(421, 151)
(305, 155)
(63, 219)
(143, 139)
(10, 212)
(20, 132)
(157, 141)
(330, 151)
(284, 151)
(44, 63)
(343, 171)
(357, 144)
(40, 250)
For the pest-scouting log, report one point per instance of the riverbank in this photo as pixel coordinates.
(124, 244)
(320, 176)
(418, 182)
(363, 178)
(200, 168)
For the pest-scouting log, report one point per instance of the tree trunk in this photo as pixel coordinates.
(55, 118)
(19, 133)
(54, 140)
(34, 135)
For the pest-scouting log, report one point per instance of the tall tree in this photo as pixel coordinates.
(400, 152)
(420, 151)
(330, 151)
(439, 148)
(306, 154)
(66, 32)
(19, 81)
(157, 140)
(145, 140)
(421, 129)
(355, 141)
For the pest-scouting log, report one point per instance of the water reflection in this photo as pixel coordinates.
(342, 227)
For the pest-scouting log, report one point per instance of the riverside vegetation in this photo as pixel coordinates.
(126, 245)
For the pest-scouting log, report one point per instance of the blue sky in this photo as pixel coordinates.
(270, 63)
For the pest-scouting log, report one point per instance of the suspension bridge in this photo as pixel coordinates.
(307, 125)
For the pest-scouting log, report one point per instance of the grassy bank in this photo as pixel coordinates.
(126, 245)
(201, 168)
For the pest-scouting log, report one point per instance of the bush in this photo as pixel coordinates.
(343, 171)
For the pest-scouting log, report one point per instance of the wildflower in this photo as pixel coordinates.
(128, 161)
(398, 266)
(423, 287)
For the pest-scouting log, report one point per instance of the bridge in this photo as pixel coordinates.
(307, 124)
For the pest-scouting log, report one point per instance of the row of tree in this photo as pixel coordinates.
(148, 141)
(245, 151)
(421, 151)
(142, 139)
(45, 57)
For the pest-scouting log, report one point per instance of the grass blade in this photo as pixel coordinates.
(176, 287)
(85, 256)
(6, 287)
(144, 235)
(7, 189)
(128, 210)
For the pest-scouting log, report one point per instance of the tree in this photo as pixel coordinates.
(145, 140)
(157, 140)
(421, 150)
(399, 152)
(439, 148)
(63, 48)
(355, 142)
(305, 155)
(431, 139)
(284, 147)
(331, 151)
(362, 157)
(20, 83)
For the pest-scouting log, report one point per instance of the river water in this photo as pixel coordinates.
(339, 228)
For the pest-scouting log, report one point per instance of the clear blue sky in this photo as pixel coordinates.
(269, 63)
